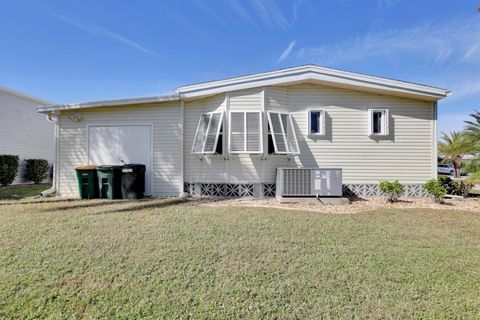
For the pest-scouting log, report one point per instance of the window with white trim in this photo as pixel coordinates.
(282, 133)
(208, 137)
(245, 132)
(316, 122)
(378, 123)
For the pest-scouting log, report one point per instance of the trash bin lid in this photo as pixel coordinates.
(134, 165)
(108, 167)
(86, 167)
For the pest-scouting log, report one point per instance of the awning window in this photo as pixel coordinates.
(283, 133)
(208, 131)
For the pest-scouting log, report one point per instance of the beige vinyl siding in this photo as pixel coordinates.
(166, 165)
(238, 168)
(23, 131)
(406, 154)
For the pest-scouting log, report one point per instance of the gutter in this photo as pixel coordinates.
(53, 118)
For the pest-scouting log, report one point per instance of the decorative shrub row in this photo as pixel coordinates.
(437, 189)
(36, 170)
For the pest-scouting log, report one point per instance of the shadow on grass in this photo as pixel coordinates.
(143, 205)
(86, 204)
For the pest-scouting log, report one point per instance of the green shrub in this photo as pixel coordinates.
(8, 169)
(393, 190)
(36, 170)
(435, 190)
(457, 188)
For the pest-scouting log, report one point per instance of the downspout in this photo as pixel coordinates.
(53, 118)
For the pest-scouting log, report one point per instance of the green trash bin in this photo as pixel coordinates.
(109, 181)
(133, 181)
(87, 182)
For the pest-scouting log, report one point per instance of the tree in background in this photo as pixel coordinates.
(472, 128)
(454, 146)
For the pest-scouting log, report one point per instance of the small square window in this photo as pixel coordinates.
(378, 122)
(316, 122)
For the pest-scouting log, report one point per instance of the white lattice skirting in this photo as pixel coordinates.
(229, 190)
(373, 191)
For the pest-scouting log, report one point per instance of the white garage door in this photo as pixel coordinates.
(116, 143)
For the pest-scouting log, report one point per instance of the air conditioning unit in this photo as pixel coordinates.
(308, 182)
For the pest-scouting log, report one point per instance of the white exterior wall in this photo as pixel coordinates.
(23, 131)
(406, 154)
(166, 141)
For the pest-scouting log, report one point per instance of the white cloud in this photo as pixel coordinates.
(386, 3)
(270, 14)
(464, 89)
(286, 53)
(208, 10)
(241, 11)
(295, 7)
(101, 31)
(435, 42)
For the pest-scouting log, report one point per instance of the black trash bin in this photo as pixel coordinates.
(133, 181)
(87, 182)
(109, 178)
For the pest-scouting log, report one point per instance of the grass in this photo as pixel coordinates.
(22, 191)
(157, 259)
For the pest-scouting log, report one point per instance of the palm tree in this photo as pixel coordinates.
(472, 128)
(454, 146)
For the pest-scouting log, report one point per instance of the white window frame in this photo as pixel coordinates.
(222, 125)
(284, 133)
(321, 124)
(385, 130)
(260, 119)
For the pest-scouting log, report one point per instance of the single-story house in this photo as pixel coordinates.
(228, 137)
(23, 131)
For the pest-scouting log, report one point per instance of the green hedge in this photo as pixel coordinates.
(8, 169)
(36, 170)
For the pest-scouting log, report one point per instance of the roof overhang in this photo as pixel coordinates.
(25, 96)
(108, 103)
(284, 77)
(319, 75)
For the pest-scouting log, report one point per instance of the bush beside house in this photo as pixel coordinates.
(435, 189)
(8, 168)
(392, 189)
(36, 170)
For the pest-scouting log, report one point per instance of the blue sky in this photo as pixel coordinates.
(70, 51)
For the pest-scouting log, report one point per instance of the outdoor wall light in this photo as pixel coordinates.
(76, 117)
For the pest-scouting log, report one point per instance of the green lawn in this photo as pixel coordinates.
(17, 192)
(156, 259)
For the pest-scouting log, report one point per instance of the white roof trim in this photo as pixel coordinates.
(24, 96)
(307, 73)
(323, 75)
(108, 103)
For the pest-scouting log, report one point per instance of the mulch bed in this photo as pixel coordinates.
(358, 205)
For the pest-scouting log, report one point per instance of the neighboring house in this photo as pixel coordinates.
(227, 137)
(23, 131)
